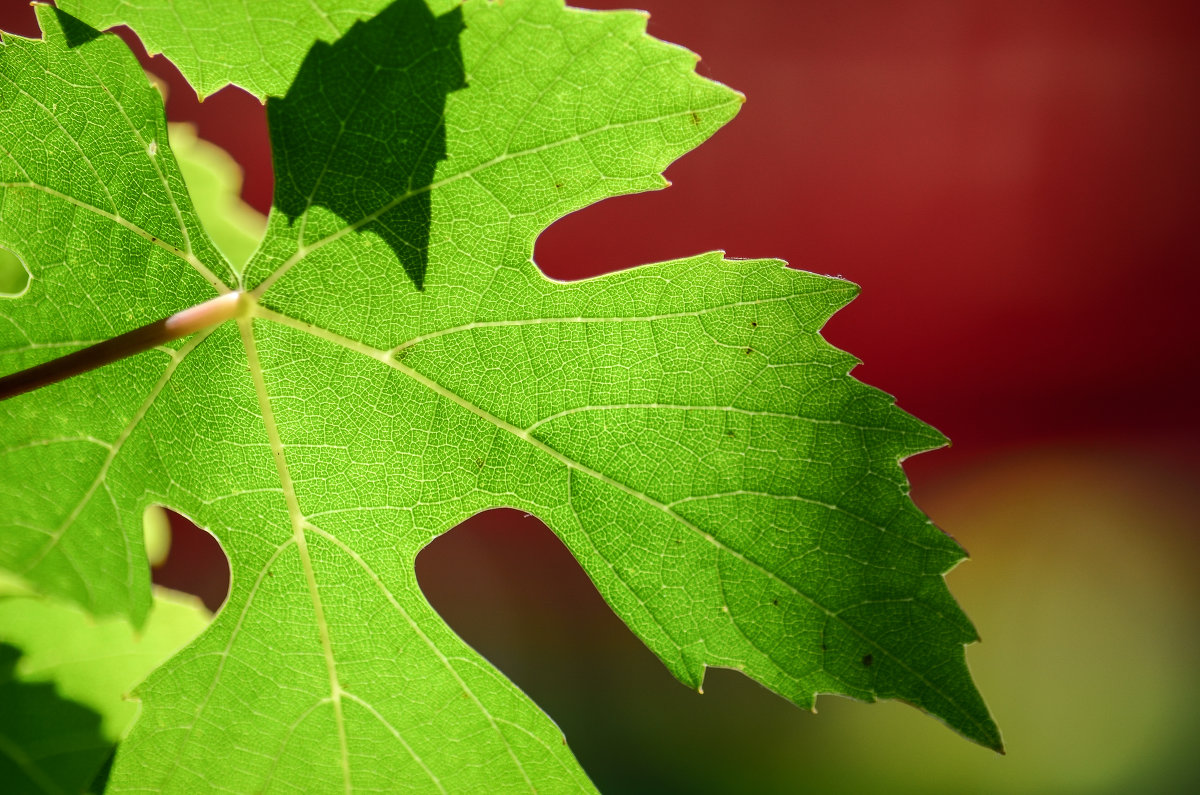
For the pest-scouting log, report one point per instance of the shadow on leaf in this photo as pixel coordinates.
(77, 32)
(47, 743)
(361, 130)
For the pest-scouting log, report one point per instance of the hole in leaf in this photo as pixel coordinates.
(194, 561)
(14, 275)
(214, 181)
(231, 118)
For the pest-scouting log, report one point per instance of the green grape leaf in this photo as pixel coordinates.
(65, 684)
(400, 364)
(216, 43)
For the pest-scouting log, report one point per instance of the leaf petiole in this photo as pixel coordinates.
(179, 325)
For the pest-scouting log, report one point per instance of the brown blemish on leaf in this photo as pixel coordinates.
(867, 660)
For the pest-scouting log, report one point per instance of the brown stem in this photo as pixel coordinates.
(178, 325)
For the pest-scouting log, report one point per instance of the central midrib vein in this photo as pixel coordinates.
(245, 326)
(300, 525)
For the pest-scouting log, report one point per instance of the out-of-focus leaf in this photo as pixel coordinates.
(65, 679)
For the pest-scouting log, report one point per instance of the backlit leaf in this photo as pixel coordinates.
(401, 364)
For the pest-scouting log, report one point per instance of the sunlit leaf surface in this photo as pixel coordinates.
(401, 364)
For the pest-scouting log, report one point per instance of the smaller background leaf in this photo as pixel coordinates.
(214, 181)
(64, 678)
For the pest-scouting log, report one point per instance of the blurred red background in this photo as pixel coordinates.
(1014, 186)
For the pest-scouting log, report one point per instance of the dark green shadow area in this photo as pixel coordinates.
(76, 31)
(47, 743)
(361, 130)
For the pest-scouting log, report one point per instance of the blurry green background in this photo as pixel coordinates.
(1013, 184)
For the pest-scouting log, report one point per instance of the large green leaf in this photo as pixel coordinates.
(401, 364)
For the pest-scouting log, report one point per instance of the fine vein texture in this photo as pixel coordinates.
(401, 364)
(64, 695)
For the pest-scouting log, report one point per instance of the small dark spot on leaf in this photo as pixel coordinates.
(753, 324)
(479, 463)
(729, 433)
(867, 660)
(558, 184)
(775, 601)
(270, 573)
(749, 351)
(695, 117)
(153, 239)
